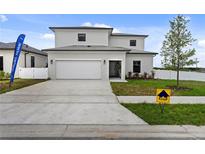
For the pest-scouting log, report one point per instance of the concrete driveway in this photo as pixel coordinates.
(65, 102)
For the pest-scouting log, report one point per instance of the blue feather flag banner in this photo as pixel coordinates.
(17, 51)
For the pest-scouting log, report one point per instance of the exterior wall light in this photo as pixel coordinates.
(51, 61)
(104, 61)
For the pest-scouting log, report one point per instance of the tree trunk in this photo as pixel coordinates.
(177, 77)
(178, 72)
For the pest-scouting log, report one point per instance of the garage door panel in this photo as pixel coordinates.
(78, 69)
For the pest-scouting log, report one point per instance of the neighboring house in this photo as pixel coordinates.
(29, 57)
(96, 53)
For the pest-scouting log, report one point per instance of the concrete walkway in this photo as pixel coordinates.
(65, 102)
(101, 132)
(152, 99)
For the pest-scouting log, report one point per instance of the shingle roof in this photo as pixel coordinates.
(87, 48)
(27, 48)
(126, 34)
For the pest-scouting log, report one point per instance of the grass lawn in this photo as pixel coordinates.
(148, 87)
(18, 83)
(174, 114)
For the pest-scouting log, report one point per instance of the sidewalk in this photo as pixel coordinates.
(152, 99)
(102, 132)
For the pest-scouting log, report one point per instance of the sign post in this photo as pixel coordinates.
(163, 97)
(17, 51)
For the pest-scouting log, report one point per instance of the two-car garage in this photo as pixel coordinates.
(83, 62)
(78, 69)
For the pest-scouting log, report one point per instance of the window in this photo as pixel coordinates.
(136, 66)
(81, 37)
(132, 42)
(1, 63)
(32, 61)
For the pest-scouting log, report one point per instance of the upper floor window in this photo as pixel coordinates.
(132, 42)
(81, 37)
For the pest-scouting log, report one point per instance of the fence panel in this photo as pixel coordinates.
(33, 73)
(183, 75)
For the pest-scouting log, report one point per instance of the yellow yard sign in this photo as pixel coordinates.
(163, 96)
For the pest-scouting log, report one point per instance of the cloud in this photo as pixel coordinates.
(48, 36)
(115, 30)
(3, 18)
(201, 43)
(95, 25)
(86, 24)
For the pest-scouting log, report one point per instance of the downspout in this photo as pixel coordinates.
(25, 59)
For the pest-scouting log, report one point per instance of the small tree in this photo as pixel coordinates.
(176, 50)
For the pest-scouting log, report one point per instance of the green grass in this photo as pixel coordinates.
(174, 114)
(18, 83)
(148, 87)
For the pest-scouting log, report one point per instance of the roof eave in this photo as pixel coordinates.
(152, 53)
(131, 35)
(98, 28)
(45, 50)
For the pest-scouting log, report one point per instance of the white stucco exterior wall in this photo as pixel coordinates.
(7, 61)
(86, 55)
(68, 37)
(124, 41)
(146, 62)
(40, 60)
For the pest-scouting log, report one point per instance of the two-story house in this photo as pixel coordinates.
(97, 53)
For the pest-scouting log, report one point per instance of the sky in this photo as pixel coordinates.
(156, 26)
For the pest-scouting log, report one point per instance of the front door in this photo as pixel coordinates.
(1, 63)
(114, 69)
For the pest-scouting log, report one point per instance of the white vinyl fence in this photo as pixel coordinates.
(167, 74)
(33, 73)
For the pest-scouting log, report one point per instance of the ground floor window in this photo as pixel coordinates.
(1, 63)
(32, 61)
(136, 66)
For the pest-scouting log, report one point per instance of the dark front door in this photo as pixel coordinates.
(115, 69)
(1, 63)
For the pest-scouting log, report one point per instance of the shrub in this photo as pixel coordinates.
(145, 75)
(136, 75)
(7, 75)
(149, 76)
(153, 74)
(129, 75)
(2, 75)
